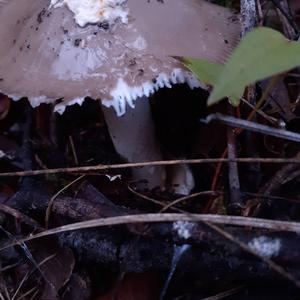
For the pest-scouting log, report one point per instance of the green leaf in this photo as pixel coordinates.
(262, 53)
(204, 70)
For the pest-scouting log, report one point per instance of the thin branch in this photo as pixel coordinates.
(235, 200)
(147, 198)
(189, 197)
(253, 126)
(50, 204)
(267, 160)
(225, 294)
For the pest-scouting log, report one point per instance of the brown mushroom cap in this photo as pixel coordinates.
(45, 55)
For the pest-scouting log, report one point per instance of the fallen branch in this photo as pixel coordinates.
(155, 218)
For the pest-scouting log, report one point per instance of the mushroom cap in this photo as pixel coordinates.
(45, 55)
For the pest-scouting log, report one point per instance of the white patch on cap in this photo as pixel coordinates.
(184, 229)
(139, 44)
(124, 94)
(95, 11)
(265, 246)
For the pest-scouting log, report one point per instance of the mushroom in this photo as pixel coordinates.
(118, 51)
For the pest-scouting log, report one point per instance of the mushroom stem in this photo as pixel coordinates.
(133, 135)
(134, 139)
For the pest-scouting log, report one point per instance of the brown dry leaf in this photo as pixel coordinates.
(58, 271)
(56, 265)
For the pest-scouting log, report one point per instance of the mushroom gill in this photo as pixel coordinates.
(54, 49)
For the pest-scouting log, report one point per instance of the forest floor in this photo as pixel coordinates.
(81, 227)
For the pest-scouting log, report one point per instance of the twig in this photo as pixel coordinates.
(260, 15)
(285, 11)
(73, 150)
(9, 267)
(268, 118)
(267, 92)
(25, 277)
(23, 296)
(157, 202)
(29, 273)
(275, 183)
(264, 129)
(50, 204)
(259, 195)
(235, 198)
(27, 253)
(266, 160)
(19, 216)
(210, 203)
(189, 197)
(225, 294)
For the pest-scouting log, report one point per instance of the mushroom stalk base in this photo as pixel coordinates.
(133, 135)
(134, 139)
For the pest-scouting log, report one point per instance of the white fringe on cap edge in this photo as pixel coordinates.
(124, 94)
(61, 107)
